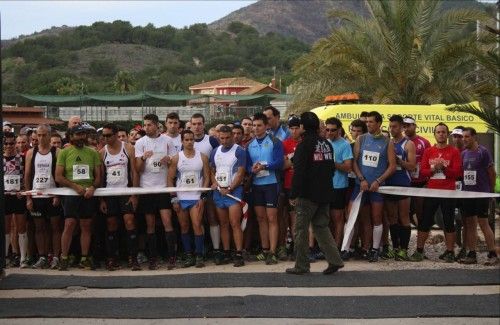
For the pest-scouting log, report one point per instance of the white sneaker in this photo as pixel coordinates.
(55, 263)
(141, 258)
(41, 263)
(491, 261)
(24, 264)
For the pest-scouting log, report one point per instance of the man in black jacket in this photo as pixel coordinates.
(311, 193)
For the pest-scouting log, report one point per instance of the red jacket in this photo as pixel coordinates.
(450, 157)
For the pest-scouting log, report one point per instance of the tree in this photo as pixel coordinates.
(102, 67)
(485, 76)
(68, 86)
(406, 52)
(124, 82)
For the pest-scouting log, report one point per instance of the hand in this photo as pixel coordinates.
(29, 203)
(256, 168)
(224, 191)
(214, 186)
(89, 192)
(363, 185)
(292, 202)
(56, 201)
(81, 191)
(19, 195)
(374, 186)
(165, 161)
(134, 201)
(103, 207)
(147, 154)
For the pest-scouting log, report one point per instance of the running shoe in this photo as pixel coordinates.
(461, 255)
(491, 261)
(189, 261)
(24, 264)
(63, 264)
(238, 260)
(42, 263)
(387, 253)
(282, 253)
(16, 261)
(111, 265)
(153, 264)
(449, 257)
(141, 258)
(218, 257)
(133, 264)
(54, 264)
(261, 256)
(345, 255)
(319, 255)
(85, 263)
(311, 256)
(417, 257)
(199, 261)
(72, 260)
(373, 255)
(402, 255)
(172, 261)
(271, 259)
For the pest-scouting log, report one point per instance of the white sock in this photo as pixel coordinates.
(23, 245)
(215, 236)
(377, 236)
(7, 244)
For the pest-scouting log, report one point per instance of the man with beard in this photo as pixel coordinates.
(78, 167)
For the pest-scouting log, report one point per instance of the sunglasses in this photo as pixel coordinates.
(109, 135)
(331, 130)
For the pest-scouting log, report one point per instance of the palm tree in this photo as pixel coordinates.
(405, 52)
(486, 78)
(124, 82)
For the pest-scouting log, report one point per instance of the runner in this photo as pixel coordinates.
(118, 170)
(247, 125)
(205, 144)
(397, 207)
(151, 155)
(237, 132)
(15, 203)
(479, 176)
(40, 174)
(228, 171)
(78, 167)
(264, 160)
(189, 169)
(273, 123)
(374, 162)
(443, 165)
(172, 124)
(122, 134)
(343, 165)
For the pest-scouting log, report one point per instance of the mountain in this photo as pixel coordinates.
(306, 20)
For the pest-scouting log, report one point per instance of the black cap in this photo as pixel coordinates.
(77, 129)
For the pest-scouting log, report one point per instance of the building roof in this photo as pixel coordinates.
(22, 110)
(22, 120)
(259, 89)
(227, 82)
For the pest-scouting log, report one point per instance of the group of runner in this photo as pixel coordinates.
(247, 161)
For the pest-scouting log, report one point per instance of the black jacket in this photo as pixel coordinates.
(313, 168)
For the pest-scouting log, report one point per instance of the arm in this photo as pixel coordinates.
(363, 183)
(411, 164)
(300, 166)
(425, 168)
(277, 162)
(206, 171)
(28, 171)
(172, 171)
(139, 158)
(492, 176)
(454, 169)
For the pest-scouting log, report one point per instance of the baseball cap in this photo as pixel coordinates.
(408, 120)
(457, 132)
(77, 129)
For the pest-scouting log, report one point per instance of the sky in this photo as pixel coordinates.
(27, 17)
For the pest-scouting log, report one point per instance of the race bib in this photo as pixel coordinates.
(12, 183)
(222, 177)
(398, 167)
(190, 179)
(370, 158)
(416, 172)
(41, 181)
(154, 163)
(116, 175)
(263, 173)
(81, 172)
(470, 177)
